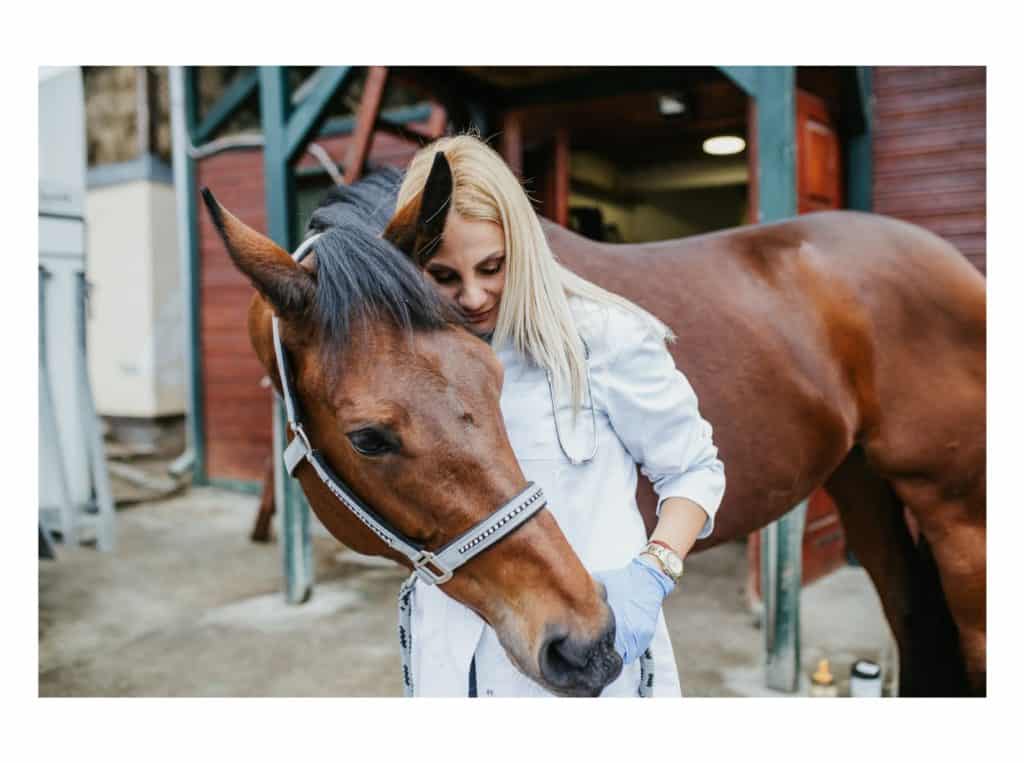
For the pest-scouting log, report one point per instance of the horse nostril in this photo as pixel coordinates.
(561, 656)
(579, 668)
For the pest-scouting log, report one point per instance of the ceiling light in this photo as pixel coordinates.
(671, 105)
(723, 145)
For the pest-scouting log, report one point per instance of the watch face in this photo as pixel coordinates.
(675, 564)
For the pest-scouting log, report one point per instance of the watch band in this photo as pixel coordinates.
(670, 562)
(664, 545)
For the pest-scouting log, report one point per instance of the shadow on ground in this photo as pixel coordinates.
(188, 606)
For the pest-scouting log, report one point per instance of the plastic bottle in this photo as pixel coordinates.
(865, 679)
(822, 682)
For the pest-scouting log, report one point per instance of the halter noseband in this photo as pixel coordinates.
(431, 567)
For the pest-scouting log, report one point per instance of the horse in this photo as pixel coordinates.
(839, 349)
(403, 403)
(817, 347)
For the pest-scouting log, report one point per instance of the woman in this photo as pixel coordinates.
(590, 390)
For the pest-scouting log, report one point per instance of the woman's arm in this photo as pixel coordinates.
(679, 524)
(654, 410)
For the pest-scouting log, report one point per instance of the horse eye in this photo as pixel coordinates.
(370, 442)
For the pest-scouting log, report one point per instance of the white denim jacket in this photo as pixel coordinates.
(647, 414)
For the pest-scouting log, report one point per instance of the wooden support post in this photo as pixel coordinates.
(512, 141)
(781, 542)
(773, 88)
(560, 177)
(859, 158)
(296, 539)
(437, 125)
(184, 111)
(753, 164)
(366, 121)
(279, 194)
(781, 574)
(285, 134)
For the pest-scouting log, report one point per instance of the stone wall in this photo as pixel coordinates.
(111, 113)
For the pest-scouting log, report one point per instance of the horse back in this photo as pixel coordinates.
(798, 337)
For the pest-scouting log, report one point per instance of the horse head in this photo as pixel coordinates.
(403, 404)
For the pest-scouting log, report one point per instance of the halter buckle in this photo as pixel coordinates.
(300, 433)
(439, 573)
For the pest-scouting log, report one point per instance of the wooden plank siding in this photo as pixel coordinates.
(237, 422)
(929, 152)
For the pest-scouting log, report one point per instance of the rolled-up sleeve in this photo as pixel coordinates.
(654, 411)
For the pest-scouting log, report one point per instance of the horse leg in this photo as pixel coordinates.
(261, 529)
(954, 531)
(904, 576)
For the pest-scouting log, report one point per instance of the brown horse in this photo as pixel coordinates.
(844, 350)
(403, 403)
(838, 349)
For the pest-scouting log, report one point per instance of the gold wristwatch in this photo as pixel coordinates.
(671, 563)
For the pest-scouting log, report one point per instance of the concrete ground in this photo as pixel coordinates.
(188, 606)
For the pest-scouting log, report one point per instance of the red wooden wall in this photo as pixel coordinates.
(237, 409)
(929, 151)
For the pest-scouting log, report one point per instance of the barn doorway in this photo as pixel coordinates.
(637, 167)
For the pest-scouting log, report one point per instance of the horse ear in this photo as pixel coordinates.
(289, 288)
(401, 230)
(417, 227)
(437, 196)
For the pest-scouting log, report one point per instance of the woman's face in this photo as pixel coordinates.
(469, 269)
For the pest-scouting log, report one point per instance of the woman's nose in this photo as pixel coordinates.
(472, 298)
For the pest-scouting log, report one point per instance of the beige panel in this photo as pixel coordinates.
(136, 326)
(168, 331)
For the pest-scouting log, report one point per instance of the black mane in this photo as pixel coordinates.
(360, 276)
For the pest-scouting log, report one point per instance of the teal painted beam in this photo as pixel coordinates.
(279, 196)
(774, 91)
(310, 111)
(198, 421)
(296, 535)
(744, 77)
(243, 86)
(776, 142)
(860, 149)
(278, 188)
(781, 581)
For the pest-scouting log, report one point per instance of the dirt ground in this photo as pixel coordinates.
(188, 606)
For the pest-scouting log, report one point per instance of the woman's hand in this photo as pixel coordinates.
(635, 593)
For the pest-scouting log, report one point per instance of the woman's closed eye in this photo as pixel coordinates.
(489, 267)
(443, 276)
(492, 267)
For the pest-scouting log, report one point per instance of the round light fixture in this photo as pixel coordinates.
(723, 145)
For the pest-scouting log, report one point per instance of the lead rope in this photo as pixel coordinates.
(405, 632)
(405, 593)
(646, 674)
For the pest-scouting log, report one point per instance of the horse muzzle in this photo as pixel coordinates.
(576, 667)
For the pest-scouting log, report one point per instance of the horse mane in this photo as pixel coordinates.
(361, 276)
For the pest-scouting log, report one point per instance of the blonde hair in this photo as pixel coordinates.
(534, 313)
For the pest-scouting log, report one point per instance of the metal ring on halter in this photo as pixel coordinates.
(593, 415)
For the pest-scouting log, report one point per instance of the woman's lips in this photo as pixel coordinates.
(479, 317)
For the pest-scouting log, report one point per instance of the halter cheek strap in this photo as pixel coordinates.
(431, 567)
